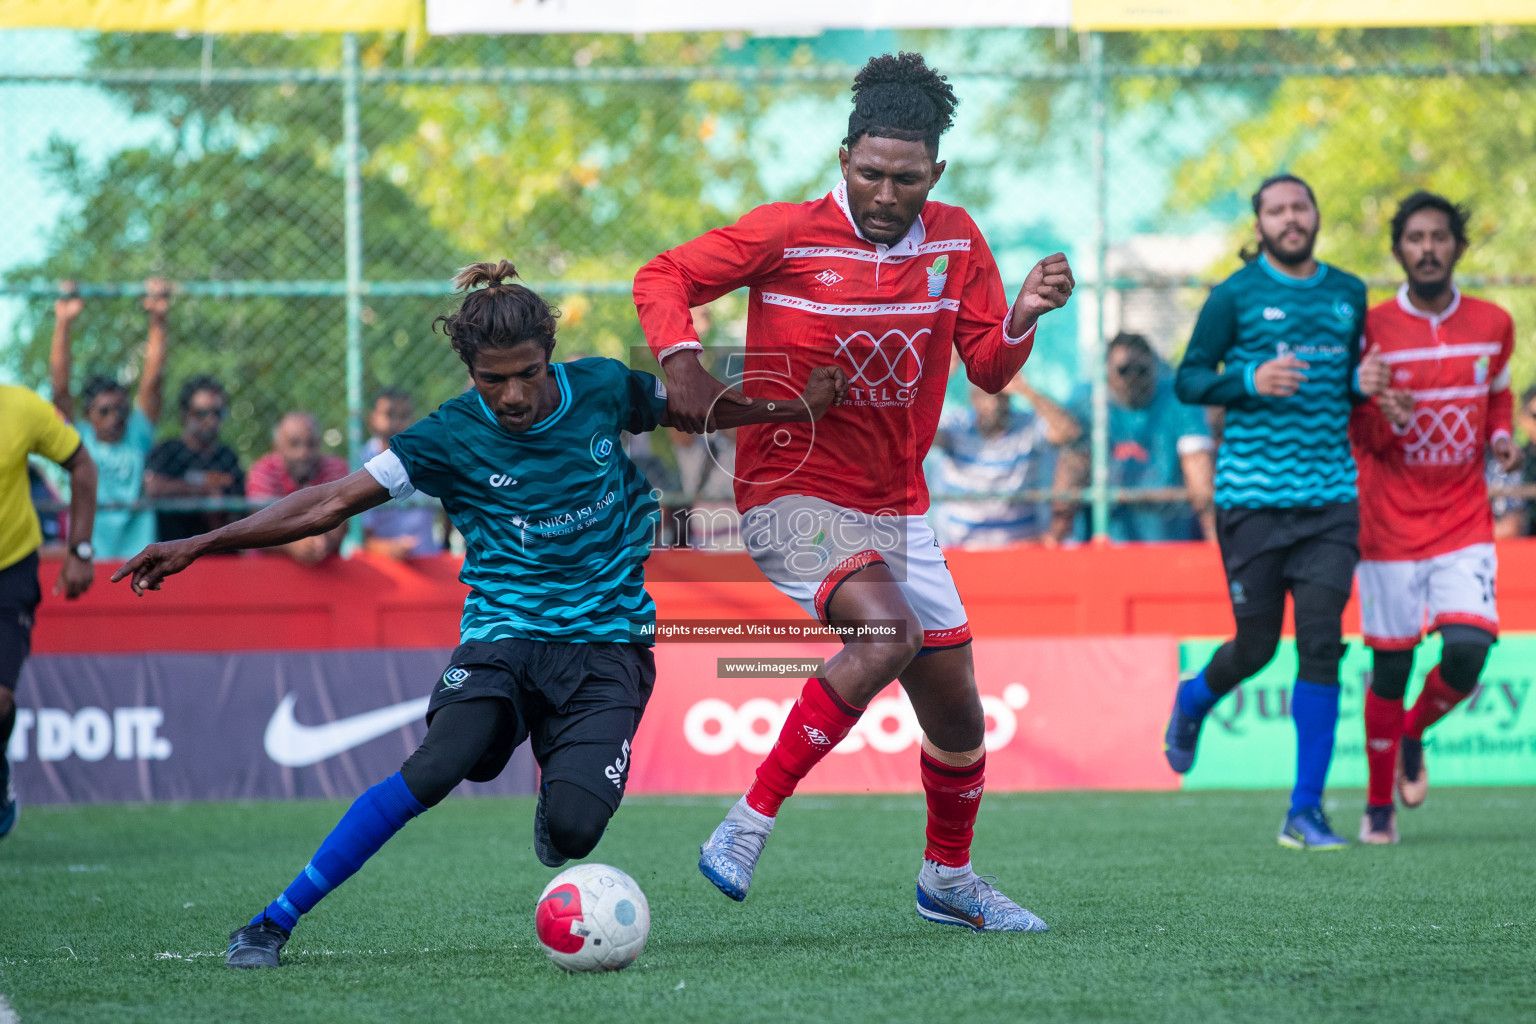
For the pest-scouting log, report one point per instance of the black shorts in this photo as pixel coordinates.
(20, 593)
(579, 704)
(1266, 551)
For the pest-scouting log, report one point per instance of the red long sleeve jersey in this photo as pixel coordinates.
(1422, 487)
(821, 295)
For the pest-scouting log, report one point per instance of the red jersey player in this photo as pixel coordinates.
(1426, 529)
(887, 284)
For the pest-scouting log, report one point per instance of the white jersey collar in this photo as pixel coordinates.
(1435, 319)
(909, 242)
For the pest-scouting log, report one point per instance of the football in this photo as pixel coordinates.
(592, 918)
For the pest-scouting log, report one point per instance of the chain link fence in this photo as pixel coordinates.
(310, 196)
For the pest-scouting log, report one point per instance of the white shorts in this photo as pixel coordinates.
(1398, 598)
(808, 546)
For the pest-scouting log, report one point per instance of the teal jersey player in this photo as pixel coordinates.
(1279, 451)
(1279, 345)
(557, 521)
(556, 634)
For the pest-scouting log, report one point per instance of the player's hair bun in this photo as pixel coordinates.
(485, 273)
(501, 314)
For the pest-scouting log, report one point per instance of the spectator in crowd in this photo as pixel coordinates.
(695, 473)
(397, 529)
(991, 448)
(195, 465)
(1154, 441)
(53, 523)
(1525, 423)
(117, 434)
(295, 461)
(1509, 511)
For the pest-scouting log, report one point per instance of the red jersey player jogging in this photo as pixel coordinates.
(887, 284)
(1426, 530)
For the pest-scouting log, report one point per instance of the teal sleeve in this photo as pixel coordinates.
(1357, 346)
(645, 401)
(423, 449)
(1204, 377)
(140, 432)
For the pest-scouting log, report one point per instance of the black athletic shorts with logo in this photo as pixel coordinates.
(1266, 551)
(579, 705)
(20, 593)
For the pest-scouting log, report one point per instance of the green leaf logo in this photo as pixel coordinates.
(940, 266)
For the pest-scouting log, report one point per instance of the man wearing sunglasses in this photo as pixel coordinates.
(116, 433)
(197, 464)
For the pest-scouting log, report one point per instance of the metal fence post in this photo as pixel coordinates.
(354, 262)
(1096, 368)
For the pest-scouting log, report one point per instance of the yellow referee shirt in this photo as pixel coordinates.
(28, 426)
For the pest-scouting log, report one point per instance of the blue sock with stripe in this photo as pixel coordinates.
(1195, 697)
(1315, 713)
(373, 817)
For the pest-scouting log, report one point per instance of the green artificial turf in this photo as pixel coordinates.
(1167, 906)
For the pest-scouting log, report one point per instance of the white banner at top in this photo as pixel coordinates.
(449, 17)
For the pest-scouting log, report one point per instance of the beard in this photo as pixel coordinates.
(1429, 291)
(1291, 258)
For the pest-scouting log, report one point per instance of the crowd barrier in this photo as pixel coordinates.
(258, 678)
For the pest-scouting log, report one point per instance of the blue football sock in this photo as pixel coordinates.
(1315, 711)
(1195, 697)
(373, 817)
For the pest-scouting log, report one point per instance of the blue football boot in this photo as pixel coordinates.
(971, 901)
(730, 855)
(1308, 829)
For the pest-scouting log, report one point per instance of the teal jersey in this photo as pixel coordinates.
(1279, 452)
(557, 521)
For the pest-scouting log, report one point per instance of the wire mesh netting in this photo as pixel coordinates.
(221, 163)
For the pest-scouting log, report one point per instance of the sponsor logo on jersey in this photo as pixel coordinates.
(602, 449)
(1238, 597)
(454, 678)
(829, 277)
(885, 370)
(502, 480)
(1274, 313)
(1480, 370)
(1442, 436)
(938, 273)
(1343, 310)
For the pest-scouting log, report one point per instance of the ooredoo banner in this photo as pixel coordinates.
(1078, 713)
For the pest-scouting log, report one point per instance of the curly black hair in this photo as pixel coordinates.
(500, 315)
(901, 97)
(1456, 215)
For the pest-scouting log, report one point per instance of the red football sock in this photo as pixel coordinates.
(1383, 731)
(817, 723)
(1434, 703)
(954, 797)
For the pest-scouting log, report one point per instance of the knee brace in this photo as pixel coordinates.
(1389, 673)
(1463, 656)
(1319, 632)
(576, 818)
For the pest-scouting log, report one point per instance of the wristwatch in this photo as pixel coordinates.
(83, 551)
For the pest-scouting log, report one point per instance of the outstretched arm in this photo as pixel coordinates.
(77, 575)
(827, 386)
(65, 311)
(157, 302)
(305, 513)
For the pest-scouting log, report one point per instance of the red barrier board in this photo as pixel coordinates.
(1077, 713)
(231, 603)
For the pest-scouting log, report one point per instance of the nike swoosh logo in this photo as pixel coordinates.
(295, 746)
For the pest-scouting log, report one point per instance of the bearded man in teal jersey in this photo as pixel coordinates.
(1278, 344)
